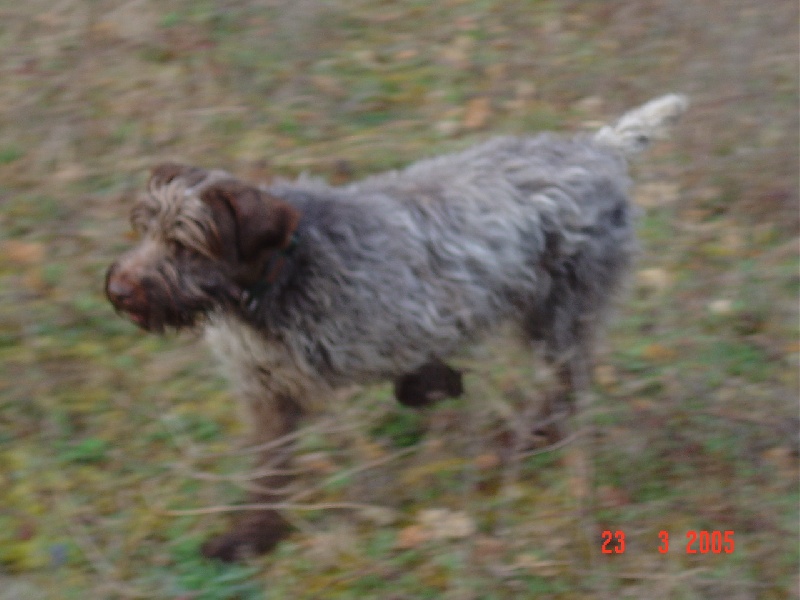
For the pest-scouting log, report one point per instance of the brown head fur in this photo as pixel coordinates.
(204, 238)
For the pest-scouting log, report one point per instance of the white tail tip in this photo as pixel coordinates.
(637, 128)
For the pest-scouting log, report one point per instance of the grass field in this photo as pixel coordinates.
(117, 449)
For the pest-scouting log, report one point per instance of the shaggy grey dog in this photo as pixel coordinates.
(302, 287)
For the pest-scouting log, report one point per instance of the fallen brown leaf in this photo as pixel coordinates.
(411, 537)
(23, 253)
(477, 114)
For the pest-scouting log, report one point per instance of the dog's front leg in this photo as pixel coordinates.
(272, 417)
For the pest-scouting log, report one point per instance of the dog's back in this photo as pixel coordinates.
(430, 257)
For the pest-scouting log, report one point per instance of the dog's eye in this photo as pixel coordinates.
(141, 218)
(139, 228)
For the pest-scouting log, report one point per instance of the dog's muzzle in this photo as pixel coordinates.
(127, 296)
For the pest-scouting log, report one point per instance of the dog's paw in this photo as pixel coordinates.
(254, 534)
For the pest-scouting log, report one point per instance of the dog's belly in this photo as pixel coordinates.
(381, 337)
(330, 354)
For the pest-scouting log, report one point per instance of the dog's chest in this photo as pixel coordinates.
(255, 363)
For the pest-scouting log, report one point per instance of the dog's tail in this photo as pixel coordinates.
(634, 131)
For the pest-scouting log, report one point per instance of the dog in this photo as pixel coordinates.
(302, 288)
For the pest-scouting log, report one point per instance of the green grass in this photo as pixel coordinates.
(8, 154)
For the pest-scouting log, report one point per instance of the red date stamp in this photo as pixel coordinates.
(613, 543)
(697, 542)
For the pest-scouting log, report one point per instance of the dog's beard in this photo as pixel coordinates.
(175, 296)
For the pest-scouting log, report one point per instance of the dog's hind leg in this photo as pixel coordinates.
(565, 327)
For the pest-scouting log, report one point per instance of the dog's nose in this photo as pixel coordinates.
(118, 287)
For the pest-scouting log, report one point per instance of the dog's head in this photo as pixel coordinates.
(204, 238)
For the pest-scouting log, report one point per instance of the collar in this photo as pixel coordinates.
(272, 270)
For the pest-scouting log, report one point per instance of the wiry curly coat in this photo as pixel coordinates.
(302, 287)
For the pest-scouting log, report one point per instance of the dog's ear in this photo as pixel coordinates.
(165, 173)
(249, 219)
